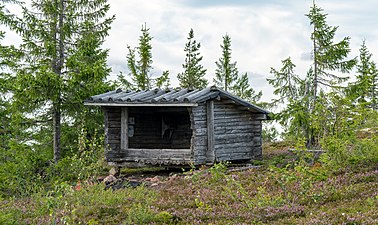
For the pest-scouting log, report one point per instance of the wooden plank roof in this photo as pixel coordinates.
(169, 97)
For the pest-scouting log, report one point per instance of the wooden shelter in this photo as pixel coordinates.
(179, 127)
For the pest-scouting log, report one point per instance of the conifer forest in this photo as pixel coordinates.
(319, 160)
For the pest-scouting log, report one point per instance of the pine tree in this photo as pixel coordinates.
(328, 56)
(55, 33)
(193, 75)
(226, 73)
(140, 69)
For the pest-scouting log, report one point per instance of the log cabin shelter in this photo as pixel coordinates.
(179, 127)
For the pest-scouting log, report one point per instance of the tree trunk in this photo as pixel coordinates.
(56, 131)
(225, 82)
(57, 67)
(315, 82)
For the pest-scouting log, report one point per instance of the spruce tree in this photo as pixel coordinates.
(364, 90)
(328, 56)
(193, 75)
(9, 57)
(286, 82)
(293, 92)
(304, 110)
(226, 73)
(140, 68)
(87, 72)
(243, 90)
(56, 34)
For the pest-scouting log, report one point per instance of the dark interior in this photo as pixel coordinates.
(159, 128)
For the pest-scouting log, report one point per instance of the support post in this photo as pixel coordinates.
(106, 119)
(124, 129)
(210, 153)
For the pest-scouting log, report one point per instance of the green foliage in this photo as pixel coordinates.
(145, 59)
(226, 72)
(327, 55)
(218, 170)
(294, 194)
(92, 204)
(245, 91)
(193, 75)
(364, 90)
(63, 66)
(84, 164)
(349, 152)
(286, 82)
(9, 59)
(294, 93)
(163, 81)
(140, 68)
(309, 107)
(21, 174)
(227, 76)
(32, 171)
(269, 133)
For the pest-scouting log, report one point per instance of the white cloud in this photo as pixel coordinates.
(262, 35)
(263, 32)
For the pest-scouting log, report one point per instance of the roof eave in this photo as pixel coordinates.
(125, 104)
(243, 102)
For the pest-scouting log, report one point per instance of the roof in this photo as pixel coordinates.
(169, 97)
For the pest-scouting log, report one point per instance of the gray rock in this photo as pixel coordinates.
(110, 179)
(115, 171)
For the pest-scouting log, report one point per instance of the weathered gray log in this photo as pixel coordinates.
(154, 155)
(210, 155)
(239, 149)
(106, 127)
(124, 129)
(234, 156)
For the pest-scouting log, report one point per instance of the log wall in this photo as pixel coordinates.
(237, 132)
(236, 136)
(157, 156)
(199, 139)
(112, 132)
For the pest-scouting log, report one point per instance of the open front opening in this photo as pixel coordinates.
(159, 128)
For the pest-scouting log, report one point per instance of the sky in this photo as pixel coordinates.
(262, 33)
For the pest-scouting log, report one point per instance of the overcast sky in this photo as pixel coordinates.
(262, 32)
